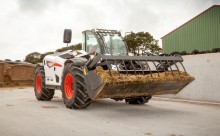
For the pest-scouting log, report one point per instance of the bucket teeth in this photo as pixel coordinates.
(138, 64)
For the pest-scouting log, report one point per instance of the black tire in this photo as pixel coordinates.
(164, 54)
(138, 100)
(74, 88)
(41, 93)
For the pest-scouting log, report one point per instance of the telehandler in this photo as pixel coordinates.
(103, 69)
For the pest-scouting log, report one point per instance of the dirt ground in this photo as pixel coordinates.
(22, 115)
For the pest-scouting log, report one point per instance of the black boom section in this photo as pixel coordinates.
(138, 64)
(143, 58)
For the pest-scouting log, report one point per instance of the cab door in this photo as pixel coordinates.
(90, 42)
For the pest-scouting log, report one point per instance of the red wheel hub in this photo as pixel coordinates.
(38, 83)
(68, 81)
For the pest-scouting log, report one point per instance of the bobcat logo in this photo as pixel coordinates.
(51, 64)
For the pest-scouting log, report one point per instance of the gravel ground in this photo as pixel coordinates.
(22, 115)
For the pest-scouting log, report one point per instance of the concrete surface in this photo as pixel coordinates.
(206, 70)
(22, 115)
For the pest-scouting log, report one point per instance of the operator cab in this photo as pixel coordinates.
(108, 42)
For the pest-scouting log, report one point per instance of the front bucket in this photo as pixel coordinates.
(124, 86)
(148, 89)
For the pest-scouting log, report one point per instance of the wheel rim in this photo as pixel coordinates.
(38, 83)
(68, 81)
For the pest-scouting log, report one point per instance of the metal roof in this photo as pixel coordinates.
(191, 20)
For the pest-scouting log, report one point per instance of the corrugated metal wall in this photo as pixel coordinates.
(201, 33)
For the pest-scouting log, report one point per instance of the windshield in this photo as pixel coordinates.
(114, 45)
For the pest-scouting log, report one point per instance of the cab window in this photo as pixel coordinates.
(83, 42)
(91, 43)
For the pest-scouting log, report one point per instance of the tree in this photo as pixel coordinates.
(36, 57)
(142, 43)
(45, 54)
(72, 47)
(33, 58)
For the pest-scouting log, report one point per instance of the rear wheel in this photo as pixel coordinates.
(41, 93)
(138, 100)
(74, 88)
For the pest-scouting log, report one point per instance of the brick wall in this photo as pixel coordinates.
(12, 74)
(22, 73)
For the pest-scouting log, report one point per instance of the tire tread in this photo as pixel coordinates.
(46, 94)
(81, 99)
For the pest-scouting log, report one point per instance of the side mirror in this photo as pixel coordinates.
(67, 35)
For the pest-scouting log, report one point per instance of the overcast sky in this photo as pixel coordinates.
(37, 25)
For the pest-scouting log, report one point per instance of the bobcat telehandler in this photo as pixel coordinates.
(103, 69)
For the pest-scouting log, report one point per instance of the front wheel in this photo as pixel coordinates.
(41, 93)
(74, 88)
(138, 100)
